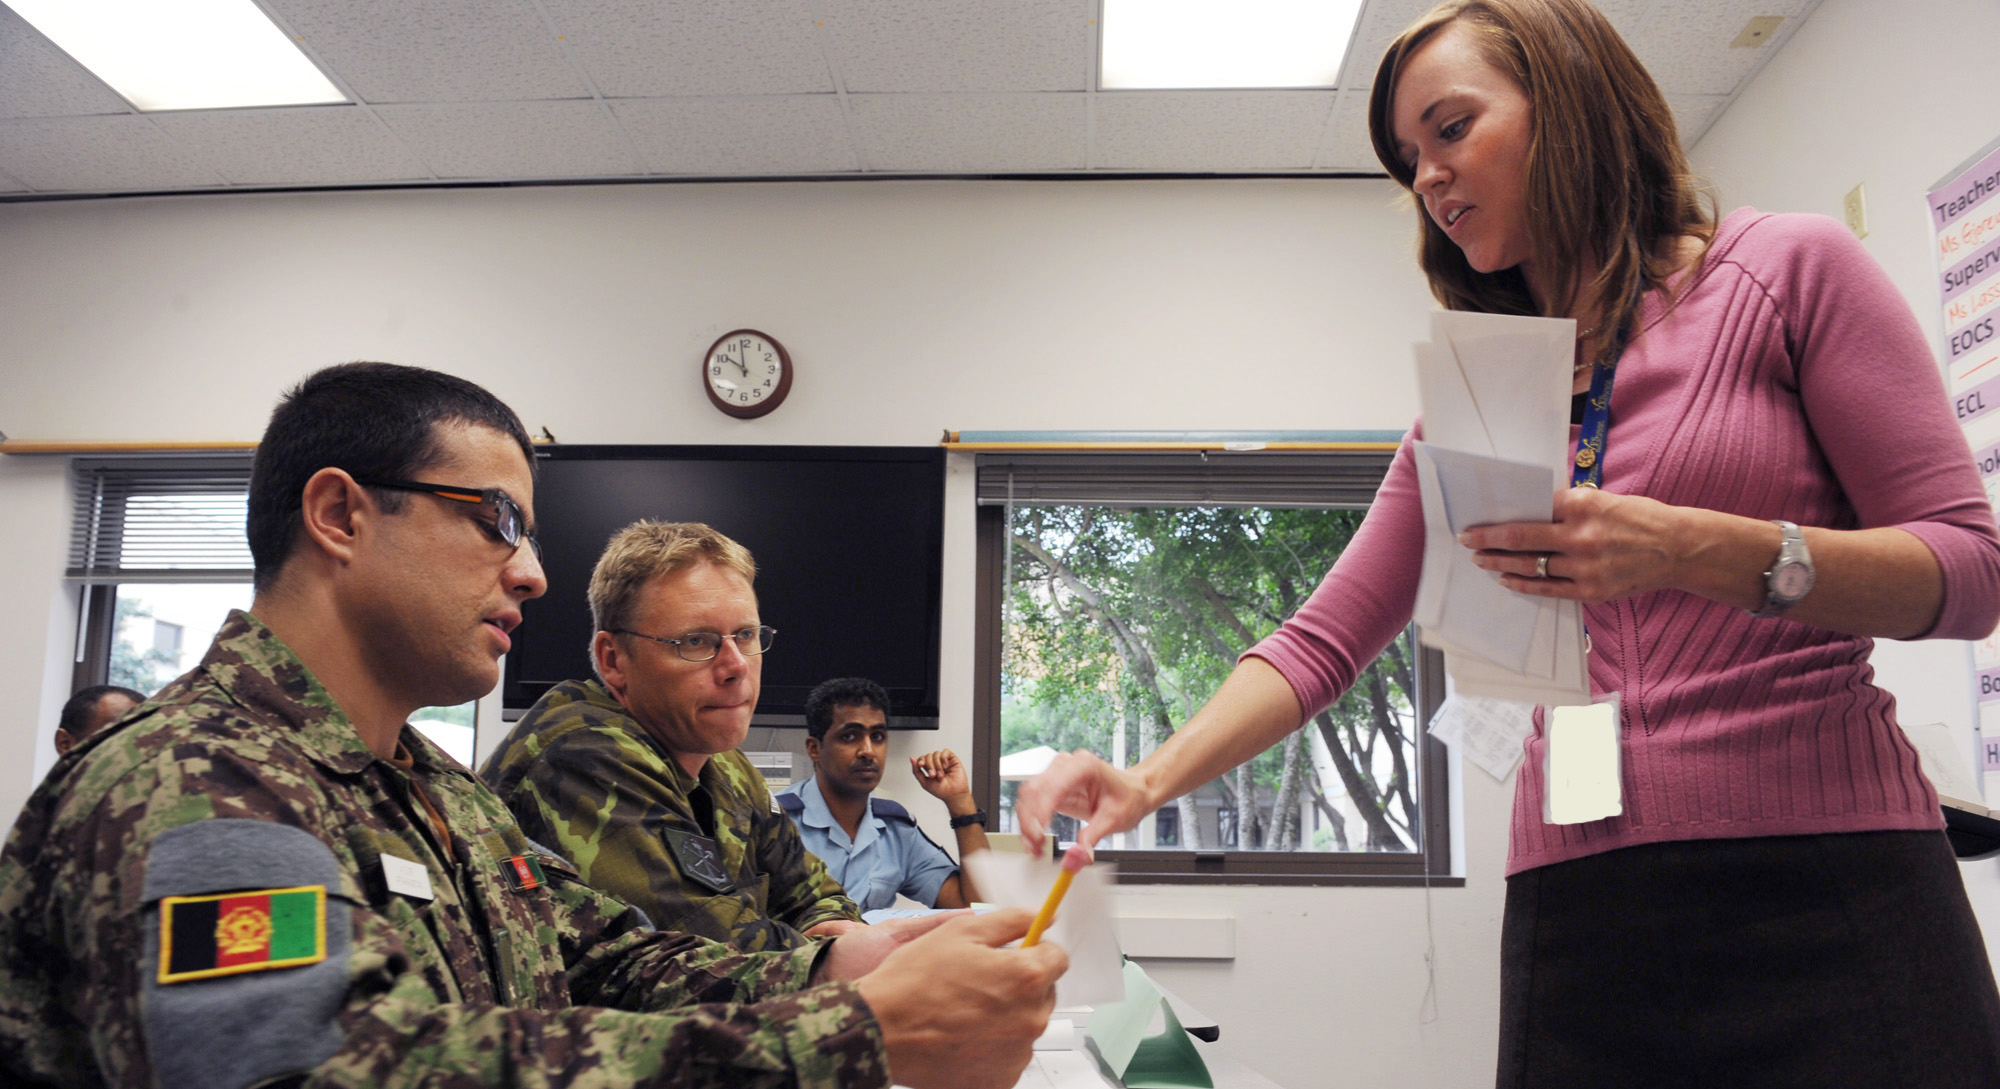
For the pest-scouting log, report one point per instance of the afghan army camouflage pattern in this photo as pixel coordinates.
(245, 774)
(583, 776)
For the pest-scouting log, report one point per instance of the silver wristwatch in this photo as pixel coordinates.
(1790, 578)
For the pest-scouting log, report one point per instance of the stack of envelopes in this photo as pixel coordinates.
(1495, 390)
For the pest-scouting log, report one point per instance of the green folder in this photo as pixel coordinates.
(1165, 1060)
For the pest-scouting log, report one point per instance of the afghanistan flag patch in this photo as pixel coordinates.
(522, 872)
(206, 936)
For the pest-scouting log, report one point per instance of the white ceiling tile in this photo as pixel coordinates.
(1381, 22)
(435, 50)
(1209, 130)
(948, 46)
(39, 80)
(307, 145)
(971, 134)
(1685, 45)
(1346, 146)
(514, 140)
(791, 134)
(98, 153)
(9, 185)
(654, 50)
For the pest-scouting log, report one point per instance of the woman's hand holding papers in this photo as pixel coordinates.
(1601, 546)
(957, 1009)
(1882, 582)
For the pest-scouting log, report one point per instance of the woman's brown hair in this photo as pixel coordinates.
(1606, 173)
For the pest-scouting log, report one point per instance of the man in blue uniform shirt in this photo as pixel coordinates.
(872, 846)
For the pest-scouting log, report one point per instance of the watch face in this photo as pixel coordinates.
(747, 373)
(1791, 581)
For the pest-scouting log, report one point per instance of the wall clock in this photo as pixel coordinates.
(746, 373)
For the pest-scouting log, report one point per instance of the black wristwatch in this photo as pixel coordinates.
(977, 816)
(1790, 578)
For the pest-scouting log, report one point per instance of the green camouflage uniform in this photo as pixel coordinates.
(244, 775)
(582, 776)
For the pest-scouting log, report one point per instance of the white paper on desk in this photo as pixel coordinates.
(1082, 925)
(1462, 604)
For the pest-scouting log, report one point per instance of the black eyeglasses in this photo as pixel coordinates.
(702, 646)
(509, 524)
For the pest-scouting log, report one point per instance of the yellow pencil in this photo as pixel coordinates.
(1048, 913)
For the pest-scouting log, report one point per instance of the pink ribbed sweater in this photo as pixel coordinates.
(1790, 381)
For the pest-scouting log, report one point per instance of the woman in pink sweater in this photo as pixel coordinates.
(1777, 905)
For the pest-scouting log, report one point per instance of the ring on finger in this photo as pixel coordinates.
(1542, 566)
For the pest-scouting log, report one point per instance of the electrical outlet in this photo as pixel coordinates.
(1857, 211)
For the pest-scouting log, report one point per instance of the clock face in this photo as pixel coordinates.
(1792, 581)
(746, 373)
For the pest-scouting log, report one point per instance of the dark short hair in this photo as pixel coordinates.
(829, 696)
(373, 420)
(76, 714)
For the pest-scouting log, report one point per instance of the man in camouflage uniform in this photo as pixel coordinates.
(636, 775)
(264, 874)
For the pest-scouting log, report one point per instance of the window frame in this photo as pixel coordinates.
(1429, 865)
(101, 486)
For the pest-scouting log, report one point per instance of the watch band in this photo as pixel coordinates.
(1793, 569)
(977, 816)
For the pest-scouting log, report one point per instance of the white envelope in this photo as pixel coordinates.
(1497, 386)
(1082, 925)
(1455, 598)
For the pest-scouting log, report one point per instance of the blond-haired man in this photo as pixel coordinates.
(636, 775)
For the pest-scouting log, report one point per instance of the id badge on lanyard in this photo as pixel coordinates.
(1581, 763)
(1581, 760)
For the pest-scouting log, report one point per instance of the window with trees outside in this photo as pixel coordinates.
(159, 558)
(1117, 592)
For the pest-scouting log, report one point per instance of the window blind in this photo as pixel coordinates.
(160, 520)
(1262, 478)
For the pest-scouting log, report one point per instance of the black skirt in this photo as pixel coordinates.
(1849, 960)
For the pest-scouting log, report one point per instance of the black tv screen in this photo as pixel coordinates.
(849, 543)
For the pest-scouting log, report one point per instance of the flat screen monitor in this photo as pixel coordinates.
(849, 544)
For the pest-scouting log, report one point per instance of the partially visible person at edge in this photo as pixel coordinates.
(91, 709)
(637, 775)
(266, 876)
(1777, 905)
(871, 845)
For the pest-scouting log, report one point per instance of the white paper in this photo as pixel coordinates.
(1945, 766)
(1582, 765)
(406, 878)
(1059, 1036)
(1473, 611)
(1490, 733)
(1082, 925)
(1498, 386)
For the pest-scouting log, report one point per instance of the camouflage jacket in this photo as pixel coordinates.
(455, 962)
(583, 776)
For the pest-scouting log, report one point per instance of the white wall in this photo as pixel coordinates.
(1866, 92)
(909, 307)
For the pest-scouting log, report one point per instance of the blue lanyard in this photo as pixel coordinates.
(1588, 469)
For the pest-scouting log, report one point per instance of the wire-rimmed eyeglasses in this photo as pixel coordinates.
(701, 646)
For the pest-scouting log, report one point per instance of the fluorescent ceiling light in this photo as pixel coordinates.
(182, 54)
(1154, 44)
